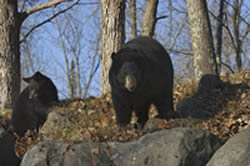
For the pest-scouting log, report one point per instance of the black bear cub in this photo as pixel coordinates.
(31, 107)
(141, 74)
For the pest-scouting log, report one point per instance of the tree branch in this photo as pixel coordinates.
(161, 17)
(233, 7)
(245, 35)
(48, 20)
(50, 4)
(227, 29)
(226, 65)
(178, 34)
(181, 52)
(93, 69)
(22, 6)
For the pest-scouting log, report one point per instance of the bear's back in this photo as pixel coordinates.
(150, 51)
(146, 45)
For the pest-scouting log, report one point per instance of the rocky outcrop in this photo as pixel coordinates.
(207, 109)
(236, 151)
(178, 146)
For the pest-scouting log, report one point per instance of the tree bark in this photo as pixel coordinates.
(219, 34)
(149, 18)
(204, 59)
(10, 24)
(9, 52)
(132, 9)
(113, 35)
(236, 34)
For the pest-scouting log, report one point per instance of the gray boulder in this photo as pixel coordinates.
(55, 121)
(236, 151)
(178, 146)
(7, 154)
(66, 154)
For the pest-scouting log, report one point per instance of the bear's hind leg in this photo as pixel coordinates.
(165, 109)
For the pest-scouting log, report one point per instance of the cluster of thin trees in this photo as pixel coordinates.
(206, 47)
(212, 36)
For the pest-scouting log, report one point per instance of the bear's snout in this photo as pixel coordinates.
(130, 82)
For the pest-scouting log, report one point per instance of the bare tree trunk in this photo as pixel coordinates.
(66, 58)
(149, 18)
(72, 80)
(78, 77)
(93, 68)
(236, 33)
(9, 52)
(170, 9)
(172, 43)
(132, 9)
(113, 35)
(204, 58)
(219, 34)
(10, 24)
(27, 67)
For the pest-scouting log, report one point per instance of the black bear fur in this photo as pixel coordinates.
(141, 74)
(31, 107)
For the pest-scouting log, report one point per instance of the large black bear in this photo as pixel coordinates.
(31, 107)
(141, 74)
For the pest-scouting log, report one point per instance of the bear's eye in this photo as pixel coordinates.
(121, 77)
(129, 68)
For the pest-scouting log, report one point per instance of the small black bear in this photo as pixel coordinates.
(31, 107)
(141, 74)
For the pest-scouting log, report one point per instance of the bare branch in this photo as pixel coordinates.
(182, 52)
(48, 20)
(245, 35)
(93, 68)
(170, 20)
(66, 59)
(22, 6)
(178, 34)
(50, 4)
(161, 17)
(149, 20)
(227, 66)
(132, 10)
(219, 34)
(233, 7)
(227, 28)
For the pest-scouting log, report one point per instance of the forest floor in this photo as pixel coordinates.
(93, 119)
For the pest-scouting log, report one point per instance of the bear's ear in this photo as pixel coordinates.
(35, 76)
(113, 56)
(27, 79)
(38, 73)
(38, 76)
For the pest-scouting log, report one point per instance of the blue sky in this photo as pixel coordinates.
(46, 47)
